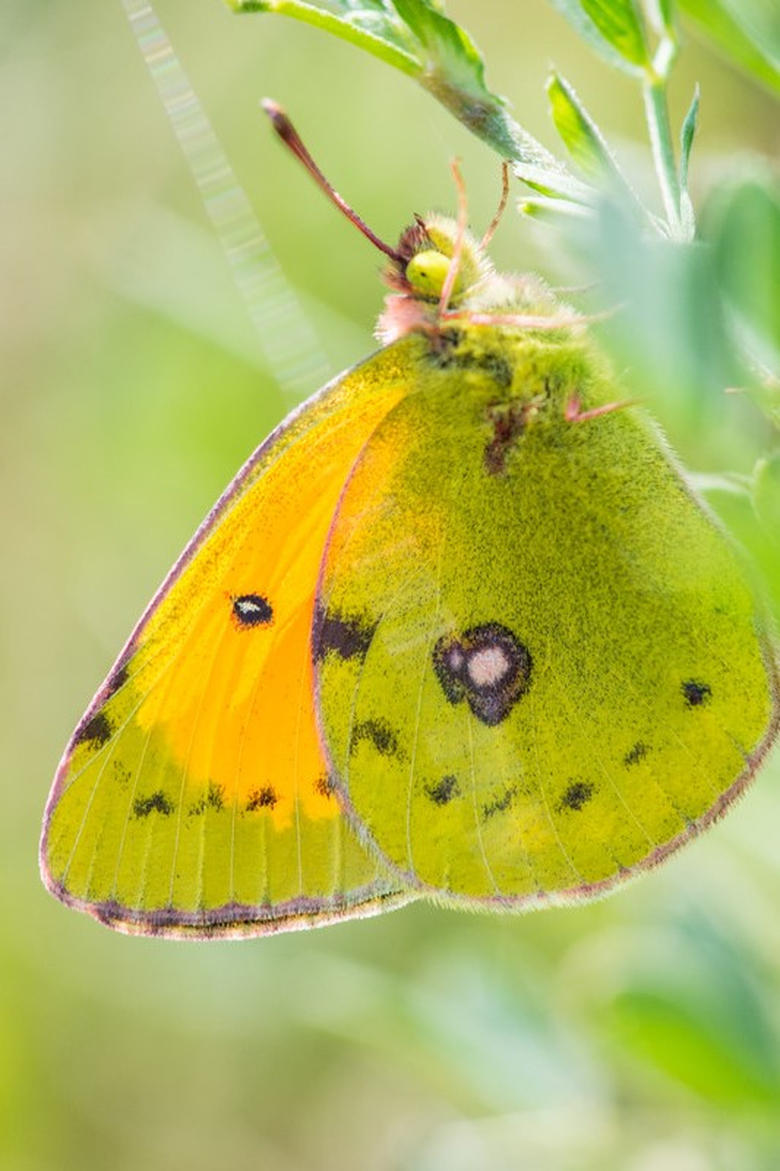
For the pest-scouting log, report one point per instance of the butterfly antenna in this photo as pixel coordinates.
(496, 220)
(457, 252)
(290, 137)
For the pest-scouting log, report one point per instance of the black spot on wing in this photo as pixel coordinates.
(324, 785)
(576, 796)
(499, 804)
(696, 693)
(153, 803)
(377, 732)
(487, 666)
(442, 792)
(347, 636)
(252, 610)
(213, 798)
(264, 798)
(97, 730)
(636, 754)
(121, 774)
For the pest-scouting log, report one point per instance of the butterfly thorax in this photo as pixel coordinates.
(485, 330)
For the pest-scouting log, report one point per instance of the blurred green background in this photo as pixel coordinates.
(641, 1033)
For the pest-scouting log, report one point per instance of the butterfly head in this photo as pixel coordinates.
(418, 275)
(424, 255)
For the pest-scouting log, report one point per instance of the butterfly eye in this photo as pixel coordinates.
(427, 271)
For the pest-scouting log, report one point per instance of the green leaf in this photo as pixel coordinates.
(746, 31)
(449, 50)
(613, 28)
(582, 137)
(687, 136)
(542, 207)
(374, 27)
(620, 23)
(747, 254)
(418, 38)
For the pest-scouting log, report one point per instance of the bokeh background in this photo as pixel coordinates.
(641, 1033)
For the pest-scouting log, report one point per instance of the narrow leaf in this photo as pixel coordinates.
(554, 184)
(613, 28)
(582, 137)
(377, 30)
(687, 135)
(748, 33)
(551, 210)
(619, 22)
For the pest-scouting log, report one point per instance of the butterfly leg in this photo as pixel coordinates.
(457, 252)
(573, 414)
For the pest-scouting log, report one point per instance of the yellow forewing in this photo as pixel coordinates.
(194, 797)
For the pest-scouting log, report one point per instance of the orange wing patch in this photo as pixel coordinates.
(235, 693)
(194, 798)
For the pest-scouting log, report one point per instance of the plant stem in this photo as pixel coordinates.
(661, 139)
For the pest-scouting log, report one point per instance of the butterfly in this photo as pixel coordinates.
(459, 630)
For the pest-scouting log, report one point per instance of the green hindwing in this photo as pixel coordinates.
(540, 668)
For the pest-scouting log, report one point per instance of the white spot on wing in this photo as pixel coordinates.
(455, 660)
(248, 607)
(488, 666)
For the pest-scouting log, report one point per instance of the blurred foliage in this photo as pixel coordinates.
(637, 1034)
